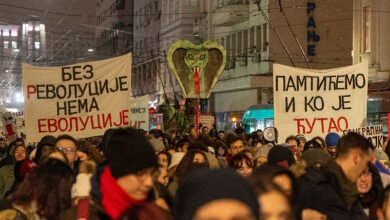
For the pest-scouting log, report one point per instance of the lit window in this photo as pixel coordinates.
(14, 44)
(37, 45)
(6, 44)
(14, 33)
(5, 33)
(367, 29)
(37, 28)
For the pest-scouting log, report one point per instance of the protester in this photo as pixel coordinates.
(164, 159)
(331, 141)
(260, 156)
(69, 146)
(235, 144)
(128, 178)
(203, 195)
(278, 175)
(87, 151)
(7, 174)
(43, 194)
(370, 187)
(301, 142)
(242, 164)
(270, 194)
(44, 144)
(312, 144)
(187, 166)
(335, 183)
(281, 156)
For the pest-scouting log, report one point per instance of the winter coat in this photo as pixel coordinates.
(320, 190)
(7, 178)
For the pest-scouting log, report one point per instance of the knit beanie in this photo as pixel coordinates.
(128, 151)
(332, 139)
(262, 151)
(315, 155)
(280, 155)
(157, 144)
(205, 186)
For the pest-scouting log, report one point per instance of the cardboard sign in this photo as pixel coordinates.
(316, 102)
(207, 120)
(372, 133)
(81, 100)
(139, 112)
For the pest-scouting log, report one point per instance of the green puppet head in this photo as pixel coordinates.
(207, 59)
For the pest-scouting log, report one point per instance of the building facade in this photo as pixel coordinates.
(146, 55)
(114, 27)
(370, 44)
(253, 45)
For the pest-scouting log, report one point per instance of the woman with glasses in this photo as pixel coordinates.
(370, 188)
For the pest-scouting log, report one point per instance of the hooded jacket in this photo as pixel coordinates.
(320, 189)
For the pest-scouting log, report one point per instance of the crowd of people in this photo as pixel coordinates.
(136, 174)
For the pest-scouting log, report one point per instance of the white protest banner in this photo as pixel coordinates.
(373, 133)
(139, 112)
(81, 100)
(316, 102)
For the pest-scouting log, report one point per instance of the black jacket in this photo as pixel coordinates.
(320, 190)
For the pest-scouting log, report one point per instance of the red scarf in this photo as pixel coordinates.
(115, 200)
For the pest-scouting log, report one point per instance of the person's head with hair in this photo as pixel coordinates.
(293, 142)
(69, 145)
(3, 143)
(221, 135)
(197, 145)
(260, 156)
(280, 176)
(235, 143)
(301, 142)
(130, 154)
(206, 140)
(354, 152)
(312, 144)
(281, 156)
(240, 131)
(192, 131)
(273, 202)
(215, 194)
(242, 164)
(53, 153)
(44, 144)
(182, 144)
(320, 140)
(87, 151)
(220, 148)
(20, 152)
(164, 159)
(191, 157)
(205, 130)
(315, 157)
(48, 187)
